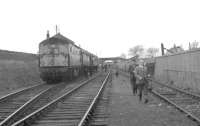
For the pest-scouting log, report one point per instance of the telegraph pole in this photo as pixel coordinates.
(162, 49)
(56, 29)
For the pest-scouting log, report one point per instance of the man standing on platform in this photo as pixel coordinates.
(141, 80)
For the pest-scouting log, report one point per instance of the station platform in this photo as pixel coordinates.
(126, 110)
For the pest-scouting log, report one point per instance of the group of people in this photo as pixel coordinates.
(105, 67)
(139, 82)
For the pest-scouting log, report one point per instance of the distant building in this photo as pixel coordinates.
(114, 59)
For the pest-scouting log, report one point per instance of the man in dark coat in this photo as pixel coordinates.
(133, 82)
(141, 81)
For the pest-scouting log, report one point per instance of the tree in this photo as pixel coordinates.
(123, 55)
(194, 45)
(151, 52)
(136, 50)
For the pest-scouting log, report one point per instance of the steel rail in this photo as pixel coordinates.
(177, 106)
(87, 114)
(19, 112)
(177, 89)
(189, 114)
(17, 92)
(29, 118)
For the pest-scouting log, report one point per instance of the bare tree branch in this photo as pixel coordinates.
(123, 55)
(151, 52)
(194, 45)
(136, 50)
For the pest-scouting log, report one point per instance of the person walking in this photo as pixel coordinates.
(116, 73)
(105, 67)
(85, 72)
(141, 81)
(133, 82)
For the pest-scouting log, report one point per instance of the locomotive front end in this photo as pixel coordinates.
(53, 59)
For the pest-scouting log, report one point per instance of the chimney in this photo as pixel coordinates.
(48, 34)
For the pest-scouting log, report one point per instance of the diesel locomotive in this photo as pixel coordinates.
(61, 59)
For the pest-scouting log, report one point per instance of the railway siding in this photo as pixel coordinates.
(33, 104)
(184, 101)
(16, 93)
(49, 93)
(14, 101)
(48, 110)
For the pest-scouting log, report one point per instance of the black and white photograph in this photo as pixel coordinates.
(99, 63)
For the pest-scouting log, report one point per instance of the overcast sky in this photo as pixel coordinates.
(104, 27)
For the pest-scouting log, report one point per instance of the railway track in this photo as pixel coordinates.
(29, 100)
(186, 102)
(18, 92)
(72, 108)
(100, 115)
(13, 101)
(30, 105)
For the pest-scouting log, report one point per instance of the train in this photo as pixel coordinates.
(61, 59)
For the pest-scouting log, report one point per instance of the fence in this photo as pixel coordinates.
(182, 69)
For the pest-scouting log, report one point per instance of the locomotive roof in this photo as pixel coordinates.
(58, 38)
